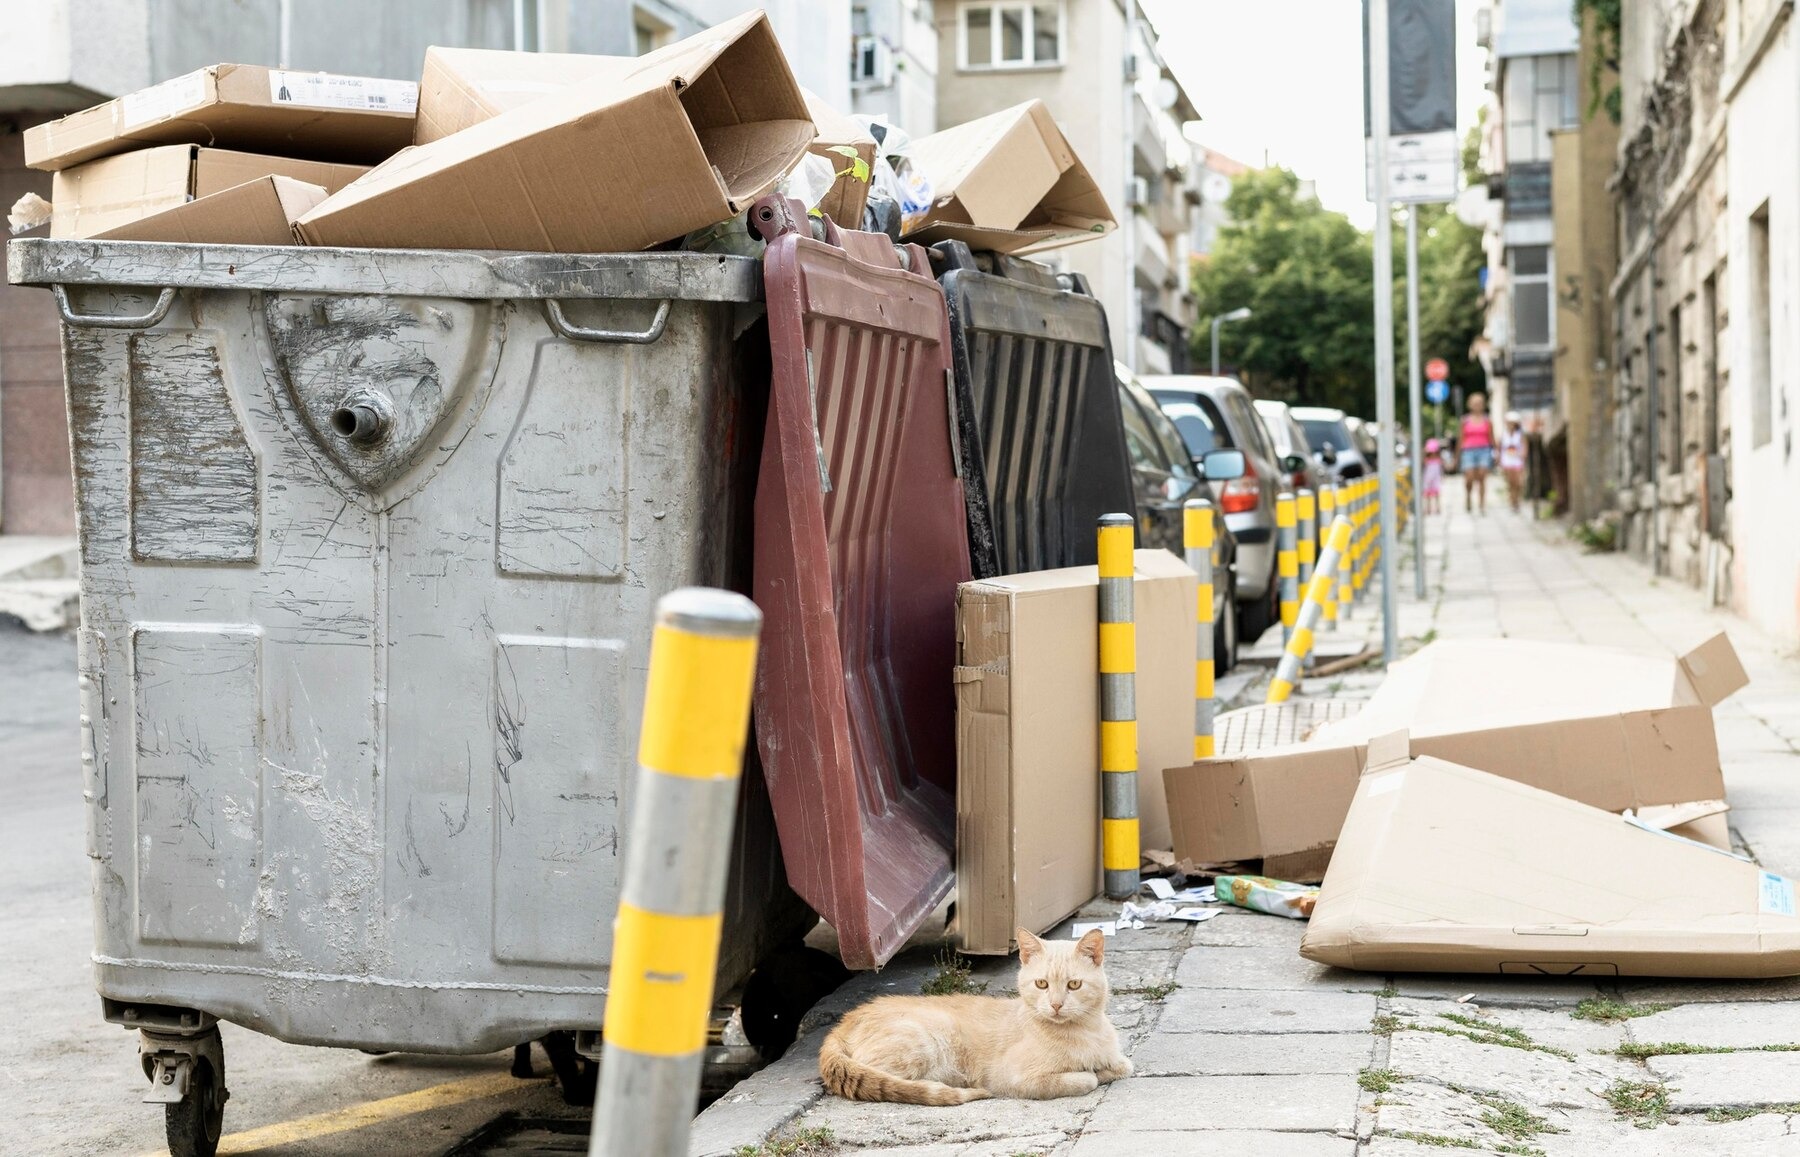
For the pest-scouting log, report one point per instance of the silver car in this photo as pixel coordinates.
(1216, 413)
(1290, 442)
(1334, 444)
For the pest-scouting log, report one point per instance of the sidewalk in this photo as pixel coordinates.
(1244, 1049)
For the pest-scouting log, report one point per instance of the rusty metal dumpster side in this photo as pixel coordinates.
(359, 716)
(860, 542)
(1034, 374)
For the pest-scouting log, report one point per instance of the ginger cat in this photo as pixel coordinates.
(1052, 1041)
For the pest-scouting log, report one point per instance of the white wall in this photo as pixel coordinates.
(814, 33)
(1764, 167)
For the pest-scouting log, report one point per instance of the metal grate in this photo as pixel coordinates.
(1274, 724)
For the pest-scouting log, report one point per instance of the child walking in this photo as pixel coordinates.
(1432, 469)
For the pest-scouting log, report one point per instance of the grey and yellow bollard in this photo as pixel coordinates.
(1287, 563)
(1327, 515)
(1306, 514)
(677, 855)
(1318, 594)
(1197, 528)
(1346, 591)
(1120, 853)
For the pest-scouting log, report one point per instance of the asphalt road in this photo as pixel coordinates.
(74, 1079)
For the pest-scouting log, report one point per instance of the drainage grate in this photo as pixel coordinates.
(1273, 724)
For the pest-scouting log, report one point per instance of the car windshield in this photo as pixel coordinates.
(1319, 431)
(1195, 427)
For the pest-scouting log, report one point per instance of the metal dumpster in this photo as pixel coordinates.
(861, 539)
(370, 543)
(1034, 378)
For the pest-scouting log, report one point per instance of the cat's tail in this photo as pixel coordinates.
(849, 1078)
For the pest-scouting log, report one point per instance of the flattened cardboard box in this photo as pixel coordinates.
(259, 212)
(319, 115)
(1610, 728)
(636, 155)
(461, 87)
(1441, 868)
(1008, 182)
(1028, 736)
(102, 196)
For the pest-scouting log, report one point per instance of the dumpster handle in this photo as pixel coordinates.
(102, 321)
(559, 321)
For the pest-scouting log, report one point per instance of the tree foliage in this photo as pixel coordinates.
(1603, 60)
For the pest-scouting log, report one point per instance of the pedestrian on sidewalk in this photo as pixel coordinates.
(1512, 459)
(1476, 442)
(1432, 475)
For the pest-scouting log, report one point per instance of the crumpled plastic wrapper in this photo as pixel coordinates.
(1261, 894)
(28, 212)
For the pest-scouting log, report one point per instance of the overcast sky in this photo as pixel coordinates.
(1282, 79)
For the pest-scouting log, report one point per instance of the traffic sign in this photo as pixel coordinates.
(1437, 391)
(1437, 370)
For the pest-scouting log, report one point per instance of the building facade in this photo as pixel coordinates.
(894, 63)
(1071, 54)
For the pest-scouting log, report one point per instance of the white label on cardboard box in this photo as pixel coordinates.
(327, 90)
(164, 100)
(1775, 895)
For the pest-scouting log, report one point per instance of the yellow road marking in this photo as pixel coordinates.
(366, 1114)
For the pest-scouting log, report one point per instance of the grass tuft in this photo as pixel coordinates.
(1739, 1112)
(1605, 1010)
(1378, 1080)
(1644, 1103)
(1487, 1033)
(1156, 993)
(1511, 1119)
(1385, 1025)
(1634, 1051)
(801, 1143)
(954, 978)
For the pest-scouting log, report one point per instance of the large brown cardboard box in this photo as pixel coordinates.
(1028, 737)
(259, 212)
(461, 87)
(319, 115)
(1441, 868)
(1613, 729)
(640, 153)
(101, 196)
(1009, 182)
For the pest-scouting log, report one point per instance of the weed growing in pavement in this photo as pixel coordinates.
(796, 1144)
(1428, 638)
(1385, 1025)
(954, 977)
(1632, 1051)
(1511, 1119)
(1441, 1141)
(1388, 993)
(1739, 1112)
(1482, 1032)
(1155, 993)
(1644, 1103)
(1378, 1080)
(1603, 1009)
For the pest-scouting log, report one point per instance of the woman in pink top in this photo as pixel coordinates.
(1477, 445)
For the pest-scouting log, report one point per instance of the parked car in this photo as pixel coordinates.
(1334, 447)
(1366, 435)
(1290, 442)
(1166, 475)
(1216, 413)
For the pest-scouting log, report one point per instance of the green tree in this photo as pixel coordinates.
(1305, 272)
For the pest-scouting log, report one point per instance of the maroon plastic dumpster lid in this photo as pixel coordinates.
(861, 540)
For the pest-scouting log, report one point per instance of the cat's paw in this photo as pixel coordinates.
(1080, 1083)
(1117, 1069)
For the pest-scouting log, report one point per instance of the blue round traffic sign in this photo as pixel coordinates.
(1437, 391)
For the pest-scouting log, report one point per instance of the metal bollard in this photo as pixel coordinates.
(1197, 533)
(1306, 513)
(1346, 591)
(1120, 852)
(1287, 562)
(677, 855)
(1318, 595)
(1327, 515)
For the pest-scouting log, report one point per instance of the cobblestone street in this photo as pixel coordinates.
(1243, 1047)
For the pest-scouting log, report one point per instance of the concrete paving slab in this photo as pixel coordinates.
(1267, 1012)
(861, 1124)
(1302, 1103)
(1244, 1054)
(1213, 1143)
(1738, 1024)
(1497, 990)
(1729, 1080)
(1242, 928)
(1206, 966)
(1527, 1076)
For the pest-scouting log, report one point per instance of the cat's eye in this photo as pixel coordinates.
(1043, 984)
(1074, 984)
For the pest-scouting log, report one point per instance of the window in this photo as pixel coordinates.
(649, 33)
(1196, 429)
(1542, 94)
(1673, 452)
(1761, 383)
(1011, 35)
(1531, 295)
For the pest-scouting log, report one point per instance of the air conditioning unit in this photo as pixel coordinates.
(1484, 28)
(1137, 193)
(873, 63)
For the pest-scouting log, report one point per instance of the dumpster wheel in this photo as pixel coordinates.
(188, 1076)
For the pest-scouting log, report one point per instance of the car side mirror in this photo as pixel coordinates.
(1222, 465)
(1327, 455)
(1293, 464)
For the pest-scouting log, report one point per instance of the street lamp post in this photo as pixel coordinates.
(1238, 314)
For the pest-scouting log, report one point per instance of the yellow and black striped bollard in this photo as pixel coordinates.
(1318, 593)
(1197, 525)
(1287, 562)
(1119, 849)
(677, 855)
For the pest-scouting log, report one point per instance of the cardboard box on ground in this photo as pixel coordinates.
(462, 87)
(1028, 739)
(1609, 728)
(1442, 868)
(106, 197)
(647, 149)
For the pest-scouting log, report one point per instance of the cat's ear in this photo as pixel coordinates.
(1092, 946)
(1029, 946)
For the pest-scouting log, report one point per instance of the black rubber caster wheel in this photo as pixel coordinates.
(194, 1124)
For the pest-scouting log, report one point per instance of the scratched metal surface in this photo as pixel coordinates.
(861, 540)
(359, 721)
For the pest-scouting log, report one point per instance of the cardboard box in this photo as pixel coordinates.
(461, 87)
(101, 196)
(1008, 182)
(1028, 737)
(259, 212)
(668, 143)
(318, 115)
(1441, 868)
(1610, 728)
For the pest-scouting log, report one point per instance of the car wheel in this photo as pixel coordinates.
(1225, 634)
